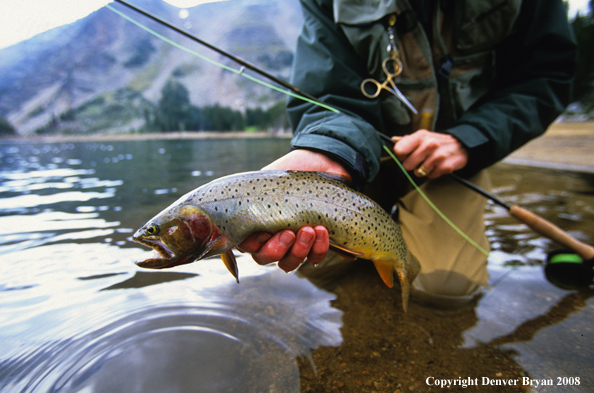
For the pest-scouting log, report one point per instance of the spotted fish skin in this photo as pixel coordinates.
(233, 207)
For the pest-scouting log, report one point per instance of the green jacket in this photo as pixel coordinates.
(492, 73)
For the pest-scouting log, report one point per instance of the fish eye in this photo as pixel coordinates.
(152, 230)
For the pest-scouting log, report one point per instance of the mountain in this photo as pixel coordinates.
(103, 73)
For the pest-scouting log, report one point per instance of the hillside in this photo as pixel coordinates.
(104, 74)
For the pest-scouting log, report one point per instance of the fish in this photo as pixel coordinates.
(216, 217)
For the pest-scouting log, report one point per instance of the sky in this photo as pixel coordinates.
(23, 19)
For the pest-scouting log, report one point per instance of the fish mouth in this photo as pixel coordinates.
(163, 258)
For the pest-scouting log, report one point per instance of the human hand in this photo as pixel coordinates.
(287, 247)
(430, 154)
(306, 160)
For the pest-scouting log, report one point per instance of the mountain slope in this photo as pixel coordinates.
(101, 57)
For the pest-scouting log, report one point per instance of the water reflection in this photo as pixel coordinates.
(77, 315)
(87, 320)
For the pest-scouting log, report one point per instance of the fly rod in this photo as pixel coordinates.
(571, 271)
(535, 222)
(236, 59)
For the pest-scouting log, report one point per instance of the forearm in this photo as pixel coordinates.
(326, 67)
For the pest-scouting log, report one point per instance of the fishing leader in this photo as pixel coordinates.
(474, 80)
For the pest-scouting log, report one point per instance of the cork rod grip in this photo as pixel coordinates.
(553, 232)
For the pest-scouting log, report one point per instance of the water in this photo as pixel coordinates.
(77, 315)
(549, 329)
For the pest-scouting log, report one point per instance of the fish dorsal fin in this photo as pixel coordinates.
(344, 252)
(337, 177)
(231, 264)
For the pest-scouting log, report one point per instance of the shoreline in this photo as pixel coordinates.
(141, 137)
(567, 145)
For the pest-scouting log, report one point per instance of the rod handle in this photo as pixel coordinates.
(550, 230)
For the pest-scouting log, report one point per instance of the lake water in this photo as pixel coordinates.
(76, 314)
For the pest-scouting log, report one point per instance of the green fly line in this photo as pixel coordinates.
(290, 93)
(443, 216)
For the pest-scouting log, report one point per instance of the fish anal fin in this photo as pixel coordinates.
(386, 271)
(345, 252)
(231, 264)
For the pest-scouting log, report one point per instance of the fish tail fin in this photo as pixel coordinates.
(231, 264)
(406, 275)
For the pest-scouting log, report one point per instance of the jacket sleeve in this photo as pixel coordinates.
(534, 68)
(326, 67)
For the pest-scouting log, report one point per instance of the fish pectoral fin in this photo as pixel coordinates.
(344, 252)
(213, 247)
(231, 264)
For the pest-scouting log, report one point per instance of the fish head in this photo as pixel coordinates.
(179, 235)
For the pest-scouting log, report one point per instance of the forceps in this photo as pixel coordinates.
(392, 68)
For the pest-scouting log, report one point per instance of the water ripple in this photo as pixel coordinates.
(151, 332)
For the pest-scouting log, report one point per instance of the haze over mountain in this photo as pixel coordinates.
(112, 69)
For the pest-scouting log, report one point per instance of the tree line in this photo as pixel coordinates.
(175, 112)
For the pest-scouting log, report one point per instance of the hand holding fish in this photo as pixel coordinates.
(287, 247)
(307, 160)
(430, 154)
(327, 214)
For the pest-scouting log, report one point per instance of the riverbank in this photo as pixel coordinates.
(142, 137)
(565, 145)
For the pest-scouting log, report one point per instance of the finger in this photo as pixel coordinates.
(405, 146)
(422, 170)
(426, 147)
(320, 246)
(299, 251)
(254, 242)
(275, 248)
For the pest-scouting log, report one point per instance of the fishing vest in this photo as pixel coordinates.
(446, 70)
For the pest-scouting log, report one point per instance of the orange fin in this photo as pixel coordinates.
(231, 264)
(386, 271)
(406, 275)
(345, 252)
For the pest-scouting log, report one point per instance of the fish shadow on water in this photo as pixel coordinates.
(145, 279)
(385, 349)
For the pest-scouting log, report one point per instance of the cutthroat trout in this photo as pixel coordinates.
(218, 216)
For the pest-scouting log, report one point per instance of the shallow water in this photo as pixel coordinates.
(77, 315)
(552, 330)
